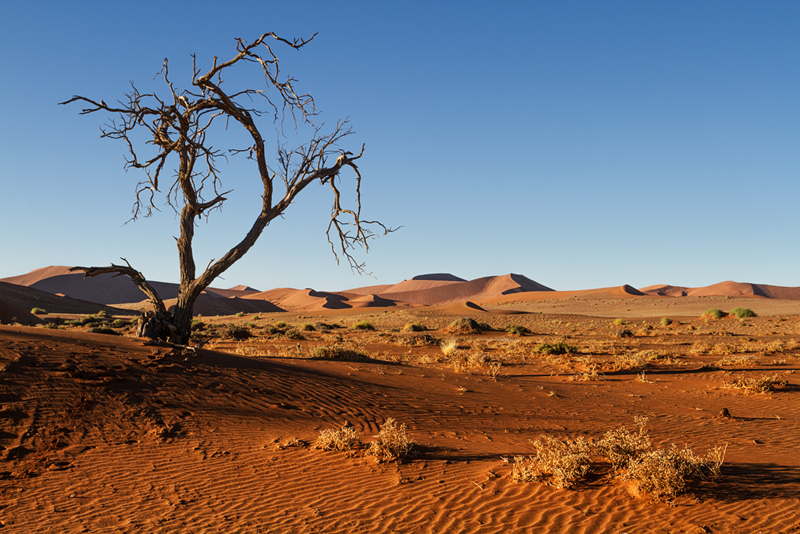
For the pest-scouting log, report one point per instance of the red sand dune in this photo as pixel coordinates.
(105, 288)
(17, 302)
(726, 289)
(435, 292)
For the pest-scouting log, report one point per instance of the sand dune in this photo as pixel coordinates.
(726, 289)
(17, 301)
(436, 292)
(105, 288)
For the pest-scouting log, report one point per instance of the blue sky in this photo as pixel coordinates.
(583, 144)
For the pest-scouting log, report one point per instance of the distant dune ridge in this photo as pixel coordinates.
(435, 289)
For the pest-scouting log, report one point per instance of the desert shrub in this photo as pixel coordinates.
(465, 324)
(713, 313)
(485, 327)
(391, 443)
(119, 323)
(620, 445)
(413, 327)
(618, 322)
(493, 369)
(623, 333)
(740, 359)
(281, 324)
(449, 346)
(761, 384)
(38, 311)
(419, 340)
(555, 462)
(634, 360)
(331, 352)
(516, 330)
(363, 325)
(250, 324)
(256, 317)
(560, 347)
(666, 321)
(307, 327)
(237, 332)
(240, 314)
(102, 313)
(664, 472)
(103, 330)
(743, 313)
(344, 439)
(293, 334)
(51, 325)
(198, 325)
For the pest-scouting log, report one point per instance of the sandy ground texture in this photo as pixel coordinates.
(104, 433)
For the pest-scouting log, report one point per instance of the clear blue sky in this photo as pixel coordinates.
(583, 144)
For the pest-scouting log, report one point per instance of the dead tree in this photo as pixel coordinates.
(177, 124)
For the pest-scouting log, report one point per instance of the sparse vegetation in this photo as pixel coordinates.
(661, 473)
(392, 443)
(743, 313)
(666, 321)
(618, 322)
(761, 384)
(330, 352)
(363, 325)
(516, 330)
(449, 346)
(413, 327)
(560, 347)
(38, 311)
(343, 440)
(713, 313)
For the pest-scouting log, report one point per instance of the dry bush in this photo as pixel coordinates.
(555, 462)
(493, 369)
(620, 446)
(740, 359)
(762, 384)
(664, 472)
(392, 443)
(591, 374)
(634, 360)
(449, 346)
(333, 352)
(414, 327)
(344, 439)
(420, 340)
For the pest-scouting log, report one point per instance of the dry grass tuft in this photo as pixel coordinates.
(392, 443)
(762, 384)
(740, 359)
(344, 439)
(449, 346)
(555, 462)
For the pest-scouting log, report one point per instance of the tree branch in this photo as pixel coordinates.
(131, 273)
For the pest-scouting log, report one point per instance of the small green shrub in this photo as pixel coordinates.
(517, 330)
(293, 334)
(713, 313)
(102, 313)
(307, 327)
(198, 325)
(250, 324)
(256, 317)
(281, 324)
(38, 311)
(561, 347)
(619, 322)
(465, 324)
(624, 333)
(363, 325)
(413, 327)
(240, 314)
(666, 321)
(743, 313)
(238, 332)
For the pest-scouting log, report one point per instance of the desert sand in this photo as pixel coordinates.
(105, 433)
